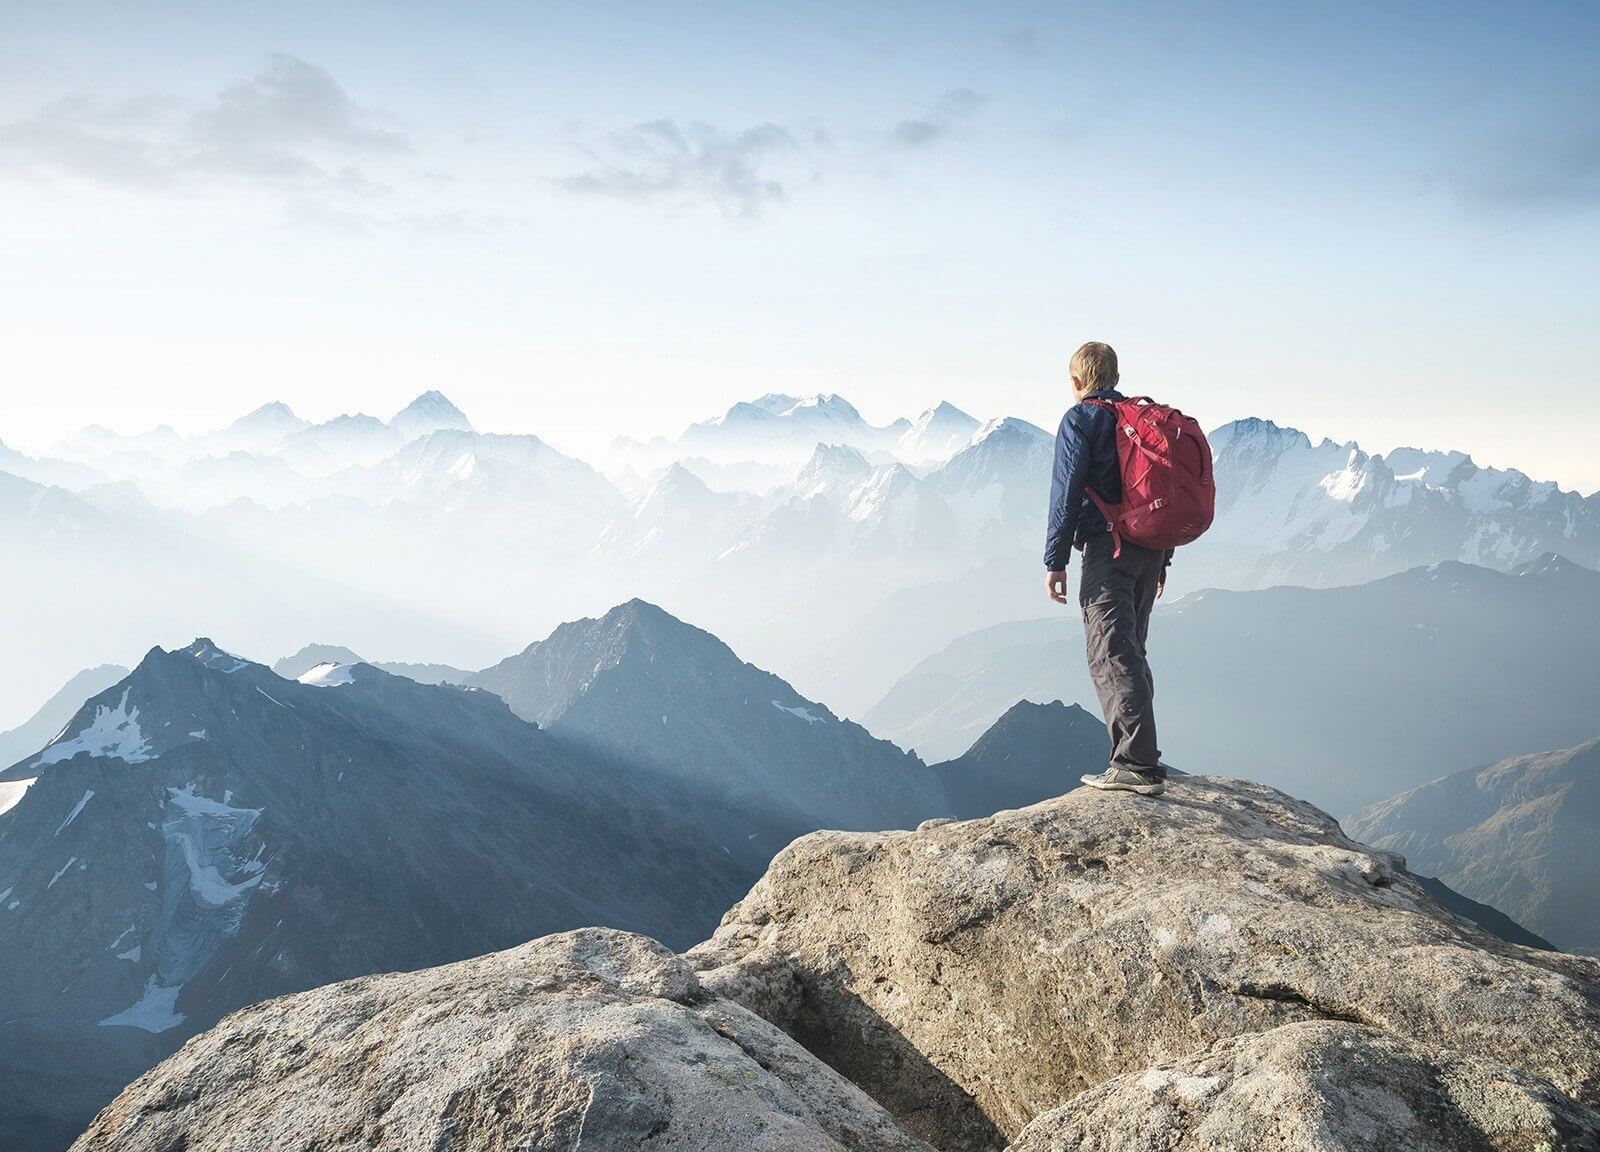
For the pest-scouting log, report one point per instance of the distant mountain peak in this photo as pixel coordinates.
(1552, 563)
(937, 433)
(1255, 430)
(1032, 752)
(944, 412)
(775, 402)
(830, 402)
(273, 412)
(1008, 428)
(651, 690)
(293, 666)
(430, 412)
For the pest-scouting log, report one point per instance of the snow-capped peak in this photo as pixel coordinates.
(775, 402)
(938, 432)
(1008, 430)
(328, 674)
(275, 414)
(430, 412)
(828, 404)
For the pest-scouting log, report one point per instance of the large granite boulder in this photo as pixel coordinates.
(1317, 1086)
(1220, 969)
(594, 1039)
(971, 976)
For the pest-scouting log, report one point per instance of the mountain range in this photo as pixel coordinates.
(791, 526)
(1345, 695)
(1520, 835)
(205, 834)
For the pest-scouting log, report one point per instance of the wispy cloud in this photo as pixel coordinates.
(743, 172)
(665, 160)
(289, 126)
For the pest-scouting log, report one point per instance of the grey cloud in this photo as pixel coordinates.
(670, 161)
(940, 122)
(916, 133)
(291, 125)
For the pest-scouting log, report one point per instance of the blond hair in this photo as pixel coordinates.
(1095, 364)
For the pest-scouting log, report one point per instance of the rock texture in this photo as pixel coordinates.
(1520, 834)
(1219, 970)
(972, 976)
(594, 1039)
(1333, 1087)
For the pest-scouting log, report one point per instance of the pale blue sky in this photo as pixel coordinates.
(1375, 222)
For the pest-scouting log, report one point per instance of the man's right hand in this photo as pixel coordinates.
(1055, 583)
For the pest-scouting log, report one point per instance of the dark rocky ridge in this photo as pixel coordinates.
(1033, 752)
(643, 688)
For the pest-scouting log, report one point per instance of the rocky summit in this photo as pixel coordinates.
(1218, 969)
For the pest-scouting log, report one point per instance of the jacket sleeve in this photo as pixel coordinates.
(1066, 492)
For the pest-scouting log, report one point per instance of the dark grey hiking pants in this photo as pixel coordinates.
(1117, 597)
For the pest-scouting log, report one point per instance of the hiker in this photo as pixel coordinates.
(1122, 577)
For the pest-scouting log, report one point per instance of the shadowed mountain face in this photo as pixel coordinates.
(643, 688)
(205, 834)
(1522, 835)
(1033, 752)
(1344, 695)
(1490, 919)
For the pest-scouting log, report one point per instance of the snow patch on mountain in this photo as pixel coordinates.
(204, 834)
(73, 815)
(802, 712)
(113, 733)
(328, 674)
(12, 792)
(154, 1012)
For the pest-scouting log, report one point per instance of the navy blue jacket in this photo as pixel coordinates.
(1086, 455)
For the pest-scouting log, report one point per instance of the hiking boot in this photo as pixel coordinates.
(1116, 779)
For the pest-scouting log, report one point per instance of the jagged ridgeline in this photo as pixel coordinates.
(1222, 969)
(205, 834)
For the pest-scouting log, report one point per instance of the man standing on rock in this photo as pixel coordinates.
(1121, 580)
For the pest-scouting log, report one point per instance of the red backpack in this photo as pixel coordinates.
(1168, 492)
